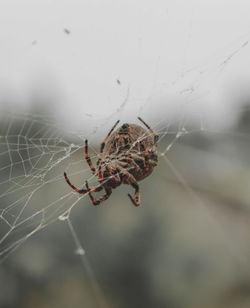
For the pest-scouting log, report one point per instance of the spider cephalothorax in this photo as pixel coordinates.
(127, 155)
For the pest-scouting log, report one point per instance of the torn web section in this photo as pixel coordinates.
(33, 155)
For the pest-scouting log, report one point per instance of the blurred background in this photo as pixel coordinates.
(69, 70)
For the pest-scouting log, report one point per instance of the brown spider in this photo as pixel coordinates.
(127, 155)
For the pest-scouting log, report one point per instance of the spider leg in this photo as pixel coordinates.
(80, 191)
(101, 199)
(106, 138)
(129, 179)
(146, 156)
(136, 199)
(156, 137)
(138, 158)
(88, 158)
(124, 163)
(146, 161)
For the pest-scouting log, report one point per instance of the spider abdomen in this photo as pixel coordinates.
(133, 137)
(134, 148)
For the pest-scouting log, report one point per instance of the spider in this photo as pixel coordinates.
(128, 155)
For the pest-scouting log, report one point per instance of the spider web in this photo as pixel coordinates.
(35, 150)
(34, 154)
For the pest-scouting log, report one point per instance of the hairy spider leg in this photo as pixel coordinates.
(88, 158)
(80, 191)
(101, 199)
(145, 160)
(136, 199)
(132, 181)
(106, 138)
(124, 162)
(100, 175)
(146, 155)
(156, 137)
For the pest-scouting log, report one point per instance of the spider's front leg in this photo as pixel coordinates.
(99, 188)
(129, 179)
(144, 161)
(149, 162)
(156, 137)
(80, 191)
(136, 200)
(88, 158)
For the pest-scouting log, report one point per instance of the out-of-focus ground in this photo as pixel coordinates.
(187, 246)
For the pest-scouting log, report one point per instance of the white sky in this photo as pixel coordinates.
(149, 45)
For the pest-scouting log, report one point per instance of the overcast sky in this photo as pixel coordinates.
(96, 57)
